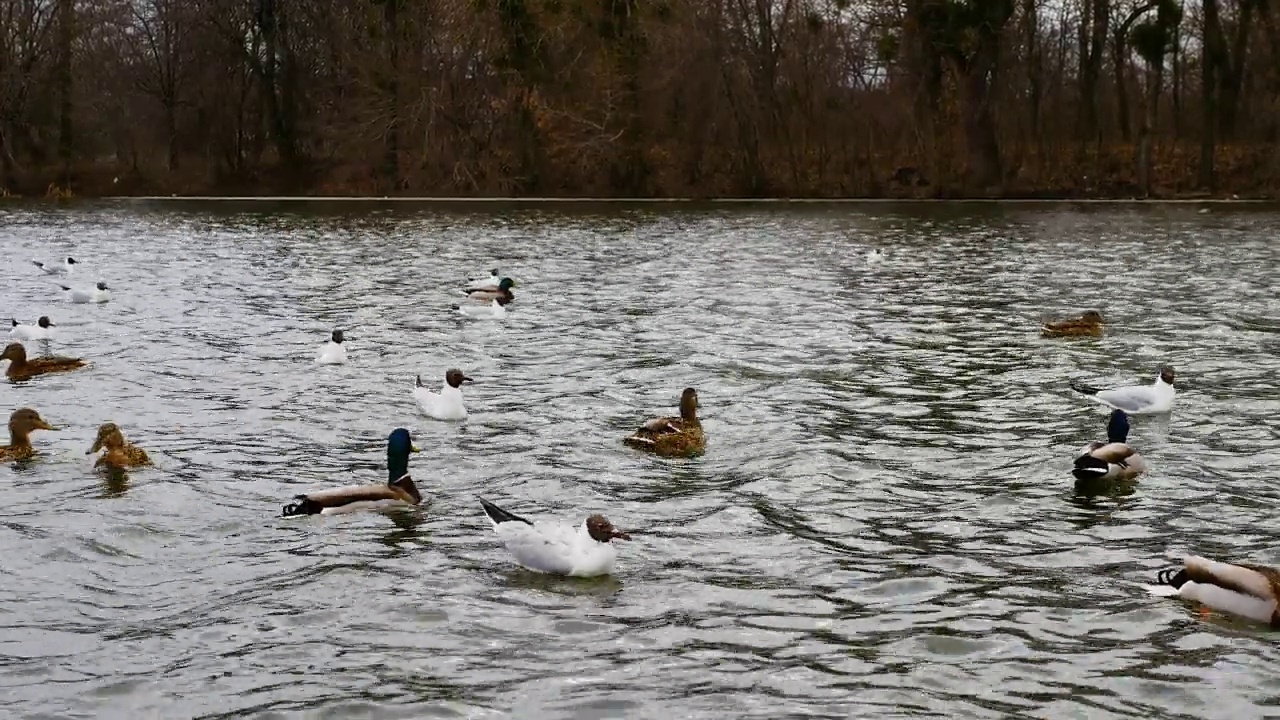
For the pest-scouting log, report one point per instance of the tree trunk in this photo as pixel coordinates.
(979, 124)
(390, 13)
(1149, 117)
(1093, 37)
(66, 33)
(1212, 54)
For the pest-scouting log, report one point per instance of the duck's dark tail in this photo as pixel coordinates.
(304, 506)
(64, 287)
(1172, 576)
(1083, 388)
(1088, 467)
(498, 515)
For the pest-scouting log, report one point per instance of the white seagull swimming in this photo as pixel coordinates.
(874, 255)
(492, 311)
(1135, 399)
(98, 294)
(1241, 589)
(333, 352)
(446, 404)
(63, 269)
(42, 330)
(584, 550)
(484, 283)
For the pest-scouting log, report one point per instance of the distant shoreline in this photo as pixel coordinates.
(687, 201)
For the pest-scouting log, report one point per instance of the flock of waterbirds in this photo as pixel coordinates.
(586, 549)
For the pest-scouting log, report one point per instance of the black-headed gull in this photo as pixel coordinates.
(42, 330)
(63, 269)
(99, 294)
(484, 283)
(333, 352)
(492, 311)
(446, 404)
(1135, 399)
(584, 550)
(1244, 590)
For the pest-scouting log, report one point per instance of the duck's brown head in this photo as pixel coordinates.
(24, 420)
(1091, 316)
(689, 404)
(109, 437)
(14, 352)
(1166, 374)
(455, 378)
(601, 530)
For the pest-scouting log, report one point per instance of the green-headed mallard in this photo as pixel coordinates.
(672, 436)
(502, 293)
(1113, 460)
(398, 492)
(1240, 589)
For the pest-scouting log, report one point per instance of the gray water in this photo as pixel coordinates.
(883, 523)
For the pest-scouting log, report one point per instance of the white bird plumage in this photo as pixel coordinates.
(333, 352)
(584, 550)
(64, 269)
(484, 283)
(874, 255)
(99, 294)
(446, 404)
(42, 330)
(492, 311)
(1136, 399)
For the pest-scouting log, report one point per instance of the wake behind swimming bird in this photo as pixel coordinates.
(446, 404)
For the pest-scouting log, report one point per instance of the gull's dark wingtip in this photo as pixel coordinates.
(1083, 388)
(498, 515)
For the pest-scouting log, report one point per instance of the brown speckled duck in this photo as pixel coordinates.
(1089, 323)
(672, 436)
(21, 423)
(119, 454)
(20, 368)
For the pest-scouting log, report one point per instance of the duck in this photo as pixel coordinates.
(333, 352)
(1135, 399)
(1089, 323)
(446, 404)
(399, 492)
(672, 436)
(99, 294)
(502, 293)
(20, 368)
(1113, 460)
(22, 423)
(875, 255)
(484, 283)
(554, 548)
(119, 453)
(42, 330)
(63, 269)
(492, 311)
(1244, 590)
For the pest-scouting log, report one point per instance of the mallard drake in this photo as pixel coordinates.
(1135, 399)
(119, 454)
(1113, 460)
(99, 294)
(333, 352)
(672, 436)
(502, 293)
(398, 492)
(1248, 591)
(1090, 323)
(21, 424)
(50, 269)
(584, 550)
(446, 404)
(42, 330)
(20, 368)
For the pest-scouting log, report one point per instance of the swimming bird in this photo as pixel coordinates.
(446, 404)
(398, 492)
(42, 330)
(584, 550)
(1113, 460)
(20, 368)
(1245, 590)
(875, 255)
(119, 453)
(21, 424)
(492, 311)
(63, 269)
(333, 352)
(484, 283)
(502, 293)
(99, 294)
(1135, 399)
(1089, 323)
(672, 436)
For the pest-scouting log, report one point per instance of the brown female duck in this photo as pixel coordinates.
(20, 368)
(672, 436)
(21, 423)
(119, 454)
(1089, 323)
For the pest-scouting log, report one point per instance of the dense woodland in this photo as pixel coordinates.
(690, 98)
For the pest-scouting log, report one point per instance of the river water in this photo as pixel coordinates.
(883, 523)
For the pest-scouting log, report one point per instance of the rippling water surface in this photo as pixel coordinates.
(883, 523)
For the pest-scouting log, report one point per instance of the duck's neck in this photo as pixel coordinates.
(18, 438)
(397, 467)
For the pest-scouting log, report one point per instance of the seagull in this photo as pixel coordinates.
(446, 404)
(63, 269)
(99, 294)
(40, 331)
(492, 311)
(584, 550)
(484, 283)
(1135, 399)
(874, 255)
(333, 352)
